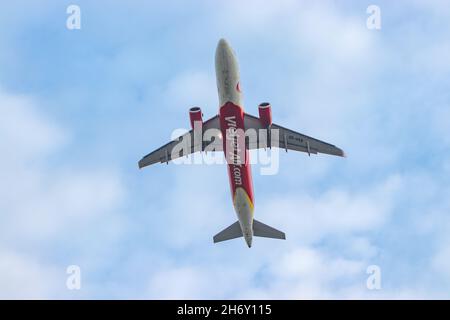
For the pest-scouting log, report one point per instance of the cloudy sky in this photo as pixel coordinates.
(79, 108)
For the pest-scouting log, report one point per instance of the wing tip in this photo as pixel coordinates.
(340, 153)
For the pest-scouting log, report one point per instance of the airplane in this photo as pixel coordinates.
(230, 120)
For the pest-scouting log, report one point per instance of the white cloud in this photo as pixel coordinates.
(301, 272)
(24, 132)
(311, 218)
(441, 262)
(189, 87)
(309, 273)
(178, 283)
(297, 268)
(22, 277)
(42, 204)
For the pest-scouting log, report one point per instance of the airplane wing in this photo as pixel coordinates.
(289, 139)
(184, 145)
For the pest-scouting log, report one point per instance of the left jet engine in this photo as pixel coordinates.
(195, 114)
(265, 114)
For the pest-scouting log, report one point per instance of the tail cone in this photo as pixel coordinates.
(248, 241)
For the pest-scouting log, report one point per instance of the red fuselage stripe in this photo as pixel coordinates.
(232, 120)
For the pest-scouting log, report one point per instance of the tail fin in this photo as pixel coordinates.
(259, 230)
(232, 232)
(263, 230)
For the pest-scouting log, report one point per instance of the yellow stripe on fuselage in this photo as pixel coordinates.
(247, 199)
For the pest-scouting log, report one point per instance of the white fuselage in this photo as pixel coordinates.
(232, 118)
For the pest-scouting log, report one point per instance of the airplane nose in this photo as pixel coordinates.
(227, 73)
(223, 46)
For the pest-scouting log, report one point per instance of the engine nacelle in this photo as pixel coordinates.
(265, 114)
(195, 114)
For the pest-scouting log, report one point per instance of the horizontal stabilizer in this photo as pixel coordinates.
(263, 230)
(231, 232)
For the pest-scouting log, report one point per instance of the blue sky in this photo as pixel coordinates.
(79, 108)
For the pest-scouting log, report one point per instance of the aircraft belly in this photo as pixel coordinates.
(244, 209)
(239, 170)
